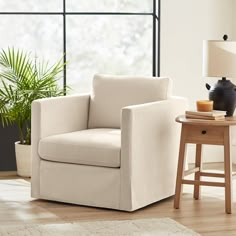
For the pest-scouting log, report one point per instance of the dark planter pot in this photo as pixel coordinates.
(8, 137)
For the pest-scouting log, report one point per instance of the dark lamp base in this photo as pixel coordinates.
(223, 95)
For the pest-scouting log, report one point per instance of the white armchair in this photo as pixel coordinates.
(117, 148)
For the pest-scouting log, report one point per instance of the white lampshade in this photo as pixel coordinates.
(219, 59)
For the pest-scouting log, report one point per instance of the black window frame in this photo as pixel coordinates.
(156, 30)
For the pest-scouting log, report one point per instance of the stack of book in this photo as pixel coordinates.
(208, 115)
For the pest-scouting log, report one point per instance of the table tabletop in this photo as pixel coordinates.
(227, 122)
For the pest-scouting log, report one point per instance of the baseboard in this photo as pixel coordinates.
(7, 173)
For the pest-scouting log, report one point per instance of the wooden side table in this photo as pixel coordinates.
(204, 132)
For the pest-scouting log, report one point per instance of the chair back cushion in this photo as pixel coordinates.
(111, 93)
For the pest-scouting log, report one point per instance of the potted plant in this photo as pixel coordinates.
(22, 80)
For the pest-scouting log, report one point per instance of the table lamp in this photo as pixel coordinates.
(219, 60)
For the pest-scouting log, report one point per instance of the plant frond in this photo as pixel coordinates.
(22, 80)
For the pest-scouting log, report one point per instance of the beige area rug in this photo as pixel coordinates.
(144, 227)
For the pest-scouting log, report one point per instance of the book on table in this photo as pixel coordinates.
(205, 117)
(212, 115)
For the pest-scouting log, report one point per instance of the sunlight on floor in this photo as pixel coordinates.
(16, 204)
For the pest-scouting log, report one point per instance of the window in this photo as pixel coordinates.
(112, 37)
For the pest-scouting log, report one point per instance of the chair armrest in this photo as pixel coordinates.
(149, 149)
(59, 114)
(52, 116)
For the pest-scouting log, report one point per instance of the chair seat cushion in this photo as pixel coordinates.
(96, 147)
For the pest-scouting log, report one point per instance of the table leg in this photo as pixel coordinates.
(180, 169)
(198, 163)
(228, 171)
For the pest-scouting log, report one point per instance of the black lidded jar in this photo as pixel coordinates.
(223, 95)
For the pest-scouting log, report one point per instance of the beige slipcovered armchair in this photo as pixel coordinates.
(116, 148)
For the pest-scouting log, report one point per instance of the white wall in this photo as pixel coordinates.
(184, 25)
(234, 18)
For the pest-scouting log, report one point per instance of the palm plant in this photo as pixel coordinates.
(22, 80)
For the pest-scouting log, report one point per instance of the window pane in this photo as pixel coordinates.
(110, 5)
(107, 44)
(41, 35)
(30, 5)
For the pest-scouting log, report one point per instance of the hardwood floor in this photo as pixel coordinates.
(205, 216)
